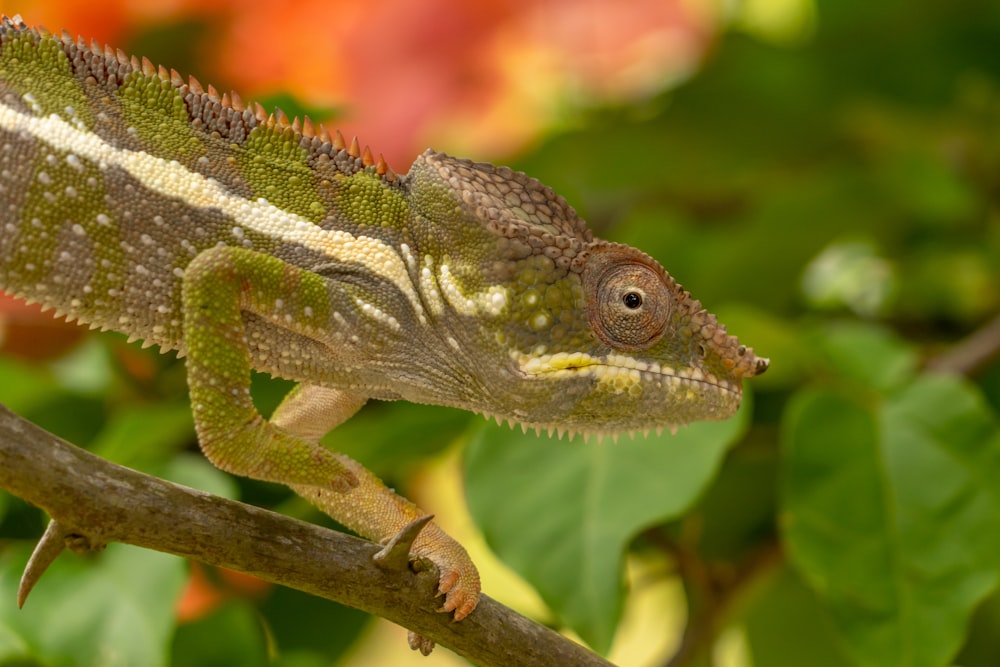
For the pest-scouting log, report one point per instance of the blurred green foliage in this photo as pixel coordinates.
(834, 199)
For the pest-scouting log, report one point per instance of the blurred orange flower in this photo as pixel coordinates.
(480, 78)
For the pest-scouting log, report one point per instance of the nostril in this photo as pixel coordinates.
(762, 365)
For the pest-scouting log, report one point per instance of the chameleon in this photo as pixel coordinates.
(135, 200)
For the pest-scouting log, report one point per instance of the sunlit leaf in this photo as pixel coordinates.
(852, 274)
(562, 513)
(892, 514)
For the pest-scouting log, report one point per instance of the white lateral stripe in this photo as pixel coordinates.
(172, 179)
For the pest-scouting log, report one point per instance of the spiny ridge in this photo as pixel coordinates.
(338, 141)
(222, 113)
(307, 128)
(569, 433)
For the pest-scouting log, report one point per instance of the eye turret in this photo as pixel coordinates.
(628, 302)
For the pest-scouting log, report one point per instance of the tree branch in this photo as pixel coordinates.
(713, 593)
(91, 498)
(971, 353)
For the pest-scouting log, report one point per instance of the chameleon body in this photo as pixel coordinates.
(134, 200)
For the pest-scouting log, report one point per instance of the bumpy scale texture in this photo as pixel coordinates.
(133, 200)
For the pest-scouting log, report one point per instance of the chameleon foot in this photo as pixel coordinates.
(420, 643)
(458, 578)
(460, 587)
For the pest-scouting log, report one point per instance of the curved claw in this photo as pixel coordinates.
(459, 584)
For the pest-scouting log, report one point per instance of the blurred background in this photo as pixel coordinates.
(823, 174)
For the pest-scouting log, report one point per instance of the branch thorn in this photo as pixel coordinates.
(55, 538)
(395, 555)
(47, 550)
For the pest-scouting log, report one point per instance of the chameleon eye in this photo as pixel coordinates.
(628, 304)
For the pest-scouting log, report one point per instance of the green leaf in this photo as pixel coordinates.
(111, 609)
(142, 435)
(868, 354)
(892, 514)
(853, 273)
(389, 438)
(982, 646)
(86, 369)
(195, 471)
(562, 513)
(787, 627)
(23, 387)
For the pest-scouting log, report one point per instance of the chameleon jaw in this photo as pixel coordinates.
(620, 371)
(617, 394)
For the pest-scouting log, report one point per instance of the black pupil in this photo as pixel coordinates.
(632, 300)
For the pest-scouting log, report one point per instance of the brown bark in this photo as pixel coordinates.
(93, 502)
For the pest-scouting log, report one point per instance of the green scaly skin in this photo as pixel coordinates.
(135, 201)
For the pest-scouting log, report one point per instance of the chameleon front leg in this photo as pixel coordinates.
(220, 285)
(371, 509)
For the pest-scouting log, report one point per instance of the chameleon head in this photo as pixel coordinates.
(586, 335)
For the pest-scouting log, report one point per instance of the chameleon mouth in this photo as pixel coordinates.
(620, 372)
(631, 379)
